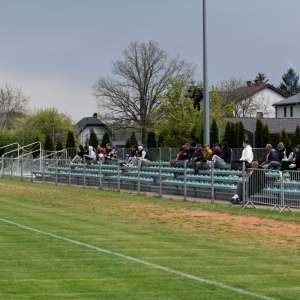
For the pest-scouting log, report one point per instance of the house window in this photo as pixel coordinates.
(291, 112)
(259, 115)
(284, 112)
(100, 130)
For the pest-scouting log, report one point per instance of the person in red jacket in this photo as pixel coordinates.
(178, 155)
(101, 154)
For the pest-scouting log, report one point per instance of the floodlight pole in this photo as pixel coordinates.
(205, 81)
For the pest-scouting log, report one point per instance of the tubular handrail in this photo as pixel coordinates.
(16, 143)
(23, 148)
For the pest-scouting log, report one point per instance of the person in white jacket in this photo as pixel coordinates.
(90, 156)
(247, 154)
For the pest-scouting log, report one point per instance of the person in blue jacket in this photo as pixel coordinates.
(271, 156)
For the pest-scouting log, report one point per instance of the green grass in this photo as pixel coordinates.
(37, 266)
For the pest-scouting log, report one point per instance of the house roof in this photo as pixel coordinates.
(275, 124)
(91, 122)
(291, 100)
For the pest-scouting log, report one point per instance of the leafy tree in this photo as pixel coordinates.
(296, 137)
(290, 84)
(151, 142)
(70, 143)
(105, 139)
(284, 138)
(93, 139)
(232, 136)
(266, 137)
(177, 116)
(133, 140)
(59, 145)
(226, 136)
(2, 151)
(278, 139)
(128, 144)
(262, 78)
(214, 133)
(259, 133)
(240, 136)
(48, 143)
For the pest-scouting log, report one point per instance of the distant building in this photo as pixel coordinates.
(288, 108)
(86, 125)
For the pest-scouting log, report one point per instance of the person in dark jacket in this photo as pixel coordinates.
(187, 154)
(142, 154)
(79, 156)
(292, 165)
(129, 157)
(271, 156)
(280, 156)
(182, 148)
(197, 156)
(224, 158)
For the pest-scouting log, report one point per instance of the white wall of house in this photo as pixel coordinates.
(264, 102)
(85, 134)
(288, 111)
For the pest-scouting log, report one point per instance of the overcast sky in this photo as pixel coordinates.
(57, 49)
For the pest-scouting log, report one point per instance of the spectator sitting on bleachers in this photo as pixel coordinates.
(280, 156)
(129, 157)
(216, 153)
(207, 153)
(100, 154)
(291, 159)
(271, 156)
(79, 156)
(224, 158)
(193, 145)
(182, 147)
(111, 152)
(187, 154)
(142, 154)
(256, 182)
(90, 155)
(197, 156)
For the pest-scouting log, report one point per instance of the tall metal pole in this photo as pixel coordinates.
(205, 81)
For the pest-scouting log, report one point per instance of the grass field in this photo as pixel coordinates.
(232, 253)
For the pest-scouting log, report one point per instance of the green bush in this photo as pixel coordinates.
(133, 140)
(214, 133)
(48, 143)
(266, 137)
(105, 139)
(70, 143)
(59, 145)
(93, 139)
(128, 144)
(258, 134)
(296, 137)
(151, 142)
(284, 138)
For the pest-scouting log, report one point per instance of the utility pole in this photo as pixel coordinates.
(205, 81)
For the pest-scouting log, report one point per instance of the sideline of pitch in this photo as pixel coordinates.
(221, 285)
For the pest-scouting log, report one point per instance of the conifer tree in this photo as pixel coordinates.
(133, 140)
(214, 133)
(278, 139)
(70, 143)
(128, 144)
(105, 139)
(284, 138)
(151, 142)
(226, 137)
(161, 141)
(266, 137)
(296, 137)
(93, 139)
(48, 143)
(232, 136)
(240, 137)
(259, 133)
(59, 145)
(36, 153)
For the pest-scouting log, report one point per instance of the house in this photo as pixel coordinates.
(253, 100)
(86, 125)
(288, 108)
(275, 125)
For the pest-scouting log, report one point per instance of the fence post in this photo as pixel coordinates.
(66, 155)
(184, 180)
(244, 182)
(118, 175)
(69, 171)
(100, 173)
(282, 190)
(123, 154)
(84, 172)
(212, 174)
(31, 173)
(11, 166)
(22, 167)
(55, 169)
(43, 163)
(253, 136)
(3, 166)
(159, 174)
(139, 176)
(170, 154)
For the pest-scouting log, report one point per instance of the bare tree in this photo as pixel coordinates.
(13, 103)
(144, 73)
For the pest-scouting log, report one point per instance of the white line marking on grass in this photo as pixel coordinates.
(228, 287)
